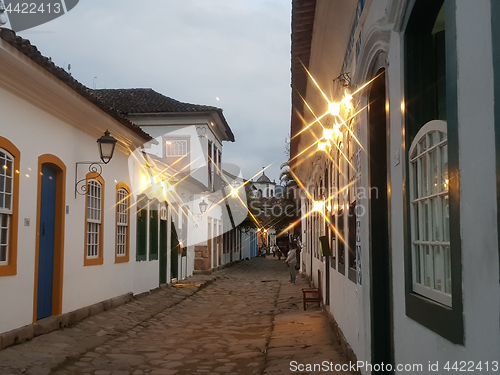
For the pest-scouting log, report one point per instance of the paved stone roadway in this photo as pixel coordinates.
(249, 320)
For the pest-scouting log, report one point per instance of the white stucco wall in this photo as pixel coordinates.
(35, 132)
(349, 302)
(478, 208)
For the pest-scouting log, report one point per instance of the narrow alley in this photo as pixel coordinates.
(244, 319)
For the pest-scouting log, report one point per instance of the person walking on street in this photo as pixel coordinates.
(275, 250)
(291, 261)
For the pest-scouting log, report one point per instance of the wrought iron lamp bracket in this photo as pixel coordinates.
(81, 185)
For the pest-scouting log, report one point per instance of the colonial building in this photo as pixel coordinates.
(83, 227)
(264, 187)
(187, 156)
(67, 239)
(395, 141)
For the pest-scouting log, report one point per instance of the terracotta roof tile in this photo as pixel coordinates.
(144, 100)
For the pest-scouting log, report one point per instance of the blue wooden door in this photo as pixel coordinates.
(46, 242)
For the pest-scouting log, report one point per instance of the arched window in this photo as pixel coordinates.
(6, 203)
(433, 256)
(9, 205)
(94, 234)
(429, 213)
(122, 223)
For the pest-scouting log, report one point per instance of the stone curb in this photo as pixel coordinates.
(53, 323)
(218, 268)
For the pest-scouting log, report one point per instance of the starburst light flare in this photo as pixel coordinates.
(318, 206)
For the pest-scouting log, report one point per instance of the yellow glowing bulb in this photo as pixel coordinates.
(4, 167)
(403, 106)
(328, 134)
(265, 230)
(170, 187)
(234, 192)
(321, 146)
(318, 206)
(347, 101)
(336, 129)
(334, 108)
(258, 229)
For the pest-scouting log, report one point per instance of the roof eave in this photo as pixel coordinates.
(229, 136)
(303, 14)
(25, 47)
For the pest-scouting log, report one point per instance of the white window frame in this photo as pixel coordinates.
(6, 210)
(121, 222)
(94, 213)
(429, 196)
(176, 148)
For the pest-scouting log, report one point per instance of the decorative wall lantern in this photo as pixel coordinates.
(203, 206)
(106, 145)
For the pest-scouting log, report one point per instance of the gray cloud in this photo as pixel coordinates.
(193, 51)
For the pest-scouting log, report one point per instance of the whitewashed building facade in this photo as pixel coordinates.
(406, 174)
(60, 250)
(78, 235)
(187, 156)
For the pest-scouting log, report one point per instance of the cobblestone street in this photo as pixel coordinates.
(245, 319)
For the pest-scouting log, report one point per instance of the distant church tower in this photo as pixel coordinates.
(264, 187)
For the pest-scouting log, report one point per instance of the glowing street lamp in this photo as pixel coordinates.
(318, 206)
(347, 101)
(234, 192)
(321, 146)
(334, 108)
(328, 134)
(336, 130)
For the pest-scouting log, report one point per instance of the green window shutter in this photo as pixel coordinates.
(163, 251)
(174, 257)
(141, 245)
(153, 234)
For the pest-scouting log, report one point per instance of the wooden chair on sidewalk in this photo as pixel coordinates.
(312, 294)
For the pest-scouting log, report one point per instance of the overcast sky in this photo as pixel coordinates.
(191, 50)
